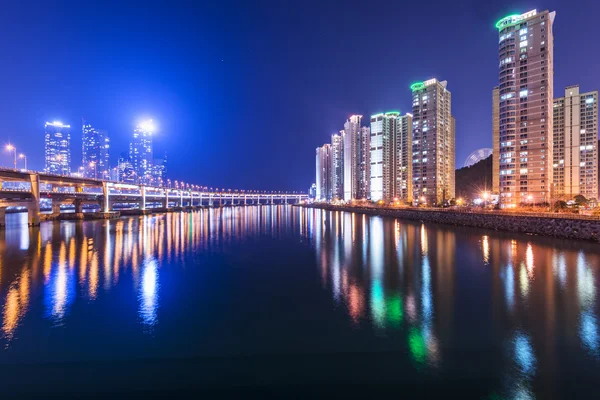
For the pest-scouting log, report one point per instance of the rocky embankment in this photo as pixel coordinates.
(559, 225)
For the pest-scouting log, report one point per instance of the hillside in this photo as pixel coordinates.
(471, 181)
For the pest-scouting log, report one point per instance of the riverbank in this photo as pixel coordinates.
(562, 226)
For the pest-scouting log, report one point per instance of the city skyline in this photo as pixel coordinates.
(188, 96)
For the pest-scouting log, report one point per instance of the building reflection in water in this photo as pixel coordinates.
(67, 262)
(402, 280)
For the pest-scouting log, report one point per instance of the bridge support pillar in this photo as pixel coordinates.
(143, 201)
(210, 200)
(272, 200)
(55, 207)
(2, 216)
(285, 199)
(33, 208)
(105, 197)
(78, 206)
(166, 199)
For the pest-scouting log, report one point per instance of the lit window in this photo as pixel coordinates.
(523, 93)
(589, 101)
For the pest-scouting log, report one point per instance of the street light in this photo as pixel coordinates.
(10, 147)
(24, 157)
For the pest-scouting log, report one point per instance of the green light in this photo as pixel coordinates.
(416, 343)
(378, 304)
(394, 311)
(417, 86)
(392, 113)
(510, 17)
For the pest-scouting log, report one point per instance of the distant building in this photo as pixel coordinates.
(95, 152)
(312, 191)
(159, 171)
(433, 145)
(352, 157)
(575, 144)
(526, 78)
(337, 166)
(496, 140)
(364, 163)
(323, 173)
(125, 171)
(141, 152)
(57, 148)
(391, 157)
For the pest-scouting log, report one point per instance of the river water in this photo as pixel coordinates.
(263, 296)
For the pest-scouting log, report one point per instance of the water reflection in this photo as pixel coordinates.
(424, 285)
(65, 262)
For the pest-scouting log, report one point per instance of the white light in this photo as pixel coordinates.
(589, 101)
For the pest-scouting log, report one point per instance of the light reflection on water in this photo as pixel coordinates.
(439, 296)
(417, 271)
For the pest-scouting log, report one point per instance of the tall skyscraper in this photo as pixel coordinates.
(125, 171)
(323, 173)
(95, 152)
(433, 144)
(576, 144)
(352, 157)
(159, 171)
(364, 163)
(57, 148)
(140, 151)
(337, 166)
(496, 140)
(391, 157)
(526, 77)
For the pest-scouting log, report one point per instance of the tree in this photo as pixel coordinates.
(560, 205)
(580, 200)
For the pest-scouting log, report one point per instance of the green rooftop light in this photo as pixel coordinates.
(392, 113)
(500, 24)
(417, 86)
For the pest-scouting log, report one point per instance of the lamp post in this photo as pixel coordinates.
(24, 157)
(12, 148)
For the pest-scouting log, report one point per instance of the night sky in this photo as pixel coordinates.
(243, 92)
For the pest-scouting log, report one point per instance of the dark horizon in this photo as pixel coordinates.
(243, 93)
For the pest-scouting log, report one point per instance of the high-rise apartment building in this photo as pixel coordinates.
(57, 148)
(159, 171)
(337, 166)
(364, 163)
(526, 76)
(391, 157)
(140, 151)
(433, 144)
(125, 171)
(575, 147)
(496, 140)
(323, 173)
(352, 157)
(95, 152)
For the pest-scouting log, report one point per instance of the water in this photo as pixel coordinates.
(278, 295)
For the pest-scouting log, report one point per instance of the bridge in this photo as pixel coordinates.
(114, 198)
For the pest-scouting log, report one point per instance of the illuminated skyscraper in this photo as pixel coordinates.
(496, 140)
(140, 151)
(391, 157)
(159, 171)
(125, 172)
(337, 166)
(576, 144)
(57, 148)
(433, 144)
(323, 173)
(364, 163)
(352, 157)
(526, 78)
(95, 152)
